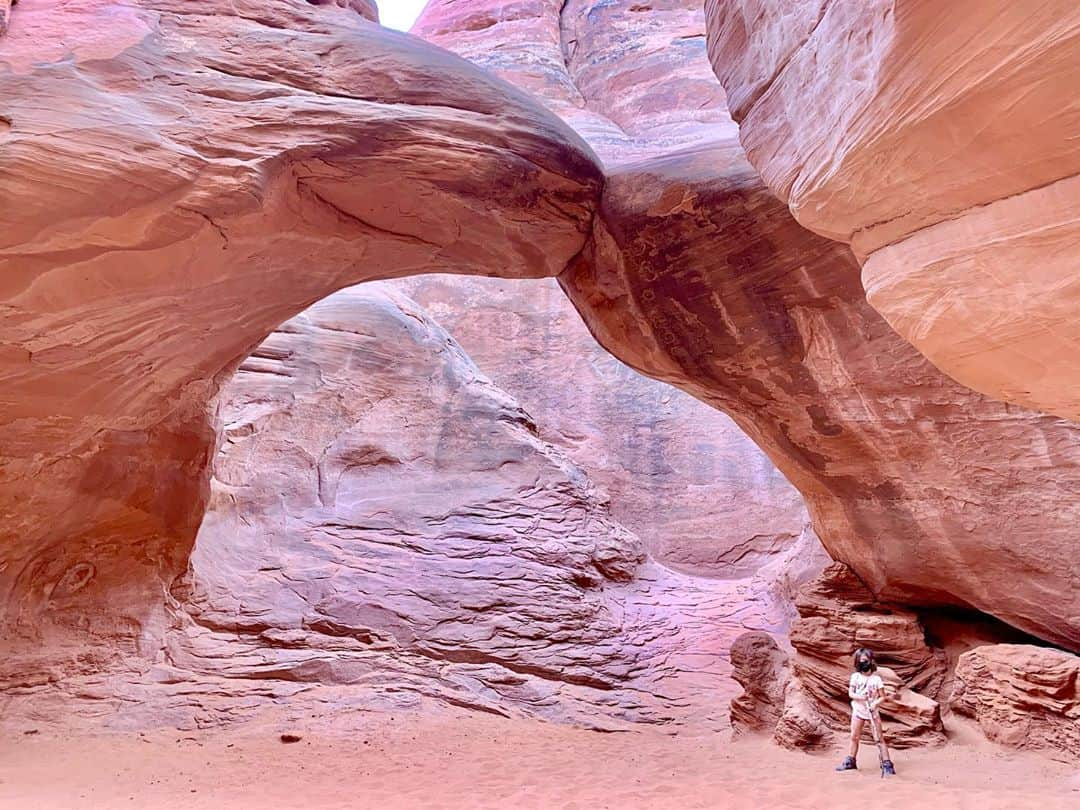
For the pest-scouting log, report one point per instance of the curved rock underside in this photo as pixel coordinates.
(386, 530)
(697, 275)
(276, 152)
(938, 140)
(283, 151)
(680, 475)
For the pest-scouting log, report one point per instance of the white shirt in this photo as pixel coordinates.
(866, 687)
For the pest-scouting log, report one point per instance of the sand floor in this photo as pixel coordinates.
(369, 760)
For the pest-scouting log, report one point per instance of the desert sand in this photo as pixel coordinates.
(461, 760)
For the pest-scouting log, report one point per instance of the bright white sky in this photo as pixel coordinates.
(399, 14)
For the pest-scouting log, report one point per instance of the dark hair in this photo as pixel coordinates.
(864, 652)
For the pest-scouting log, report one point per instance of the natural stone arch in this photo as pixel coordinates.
(698, 275)
(200, 218)
(692, 273)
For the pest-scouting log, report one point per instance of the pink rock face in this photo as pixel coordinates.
(276, 152)
(271, 154)
(762, 669)
(681, 475)
(5, 15)
(696, 275)
(384, 516)
(939, 142)
(365, 8)
(1022, 696)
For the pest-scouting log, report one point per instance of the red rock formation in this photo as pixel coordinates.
(1022, 696)
(806, 705)
(276, 152)
(761, 668)
(939, 141)
(837, 615)
(387, 528)
(681, 475)
(697, 275)
(272, 153)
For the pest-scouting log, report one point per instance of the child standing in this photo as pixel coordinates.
(866, 690)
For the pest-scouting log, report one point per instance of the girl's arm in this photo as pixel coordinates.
(853, 695)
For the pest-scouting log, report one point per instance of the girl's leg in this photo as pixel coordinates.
(884, 745)
(856, 733)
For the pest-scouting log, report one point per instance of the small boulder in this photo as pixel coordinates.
(1022, 696)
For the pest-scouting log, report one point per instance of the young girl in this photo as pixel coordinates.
(866, 691)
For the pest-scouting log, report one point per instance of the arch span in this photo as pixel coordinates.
(194, 180)
(197, 178)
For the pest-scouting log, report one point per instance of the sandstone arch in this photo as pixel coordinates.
(697, 274)
(175, 201)
(134, 279)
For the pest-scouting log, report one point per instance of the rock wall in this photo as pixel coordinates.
(271, 154)
(277, 152)
(387, 529)
(939, 141)
(697, 275)
(681, 475)
(804, 703)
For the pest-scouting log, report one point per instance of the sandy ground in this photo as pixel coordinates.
(474, 761)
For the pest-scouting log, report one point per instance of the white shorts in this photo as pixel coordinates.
(859, 710)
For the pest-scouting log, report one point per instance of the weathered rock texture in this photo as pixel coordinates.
(805, 703)
(1022, 696)
(681, 475)
(837, 615)
(762, 669)
(366, 8)
(274, 152)
(386, 527)
(697, 275)
(939, 140)
(5, 15)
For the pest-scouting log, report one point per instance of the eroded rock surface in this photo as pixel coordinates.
(804, 702)
(387, 529)
(837, 615)
(681, 475)
(1022, 696)
(276, 152)
(762, 669)
(697, 275)
(271, 154)
(939, 141)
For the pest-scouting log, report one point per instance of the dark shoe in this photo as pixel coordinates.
(887, 768)
(849, 764)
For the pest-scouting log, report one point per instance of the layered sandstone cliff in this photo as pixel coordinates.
(696, 274)
(938, 140)
(680, 475)
(803, 701)
(386, 529)
(276, 152)
(1022, 696)
(271, 153)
